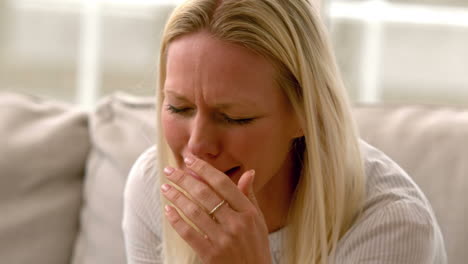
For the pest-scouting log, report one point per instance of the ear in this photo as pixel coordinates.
(298, 133)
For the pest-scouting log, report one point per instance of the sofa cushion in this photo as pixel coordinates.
(121, 128)
(44, 145)
(427, 142)
(431, 144)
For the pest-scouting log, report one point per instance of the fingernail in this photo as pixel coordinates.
(167, 208)
(189, 160)
(252, 172)
(168, 170)
(165, 187)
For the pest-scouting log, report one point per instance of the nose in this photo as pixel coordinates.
(203, 141)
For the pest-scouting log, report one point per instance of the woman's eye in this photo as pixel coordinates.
(176, 110)
(185, 111)
(241, 121)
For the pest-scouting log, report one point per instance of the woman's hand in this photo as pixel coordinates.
(236, 232)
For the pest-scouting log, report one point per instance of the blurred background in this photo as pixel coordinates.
(389, 51)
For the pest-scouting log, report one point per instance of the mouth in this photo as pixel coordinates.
(232, 171)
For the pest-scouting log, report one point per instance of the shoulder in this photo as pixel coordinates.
(143, 178)
(397, 224)
(141, 223)
(387, 182)
(144, 167)
(141, 193)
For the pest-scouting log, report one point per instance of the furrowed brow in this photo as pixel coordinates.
(176, 95)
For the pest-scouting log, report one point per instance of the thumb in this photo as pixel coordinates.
(245, 185)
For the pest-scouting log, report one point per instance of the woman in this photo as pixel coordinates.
(258, 159)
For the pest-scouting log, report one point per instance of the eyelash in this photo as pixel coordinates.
(227, 119)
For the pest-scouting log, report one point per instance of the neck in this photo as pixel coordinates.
(275, 198)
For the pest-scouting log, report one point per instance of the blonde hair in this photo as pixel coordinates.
(290, 34)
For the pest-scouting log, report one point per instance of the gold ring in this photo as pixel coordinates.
(216, 208)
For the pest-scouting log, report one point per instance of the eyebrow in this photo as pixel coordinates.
(222, 106)
(177, 95)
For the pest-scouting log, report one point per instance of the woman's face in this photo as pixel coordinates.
(222, 105)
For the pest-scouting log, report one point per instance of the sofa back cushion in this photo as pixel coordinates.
(43, 149)
(431, 144)
(121, 128)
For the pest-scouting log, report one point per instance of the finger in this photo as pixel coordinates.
(191, 210)
(198, 190)
(220, 182)
(196, 240)
(246, 185)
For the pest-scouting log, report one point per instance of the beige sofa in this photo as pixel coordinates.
(62, 172)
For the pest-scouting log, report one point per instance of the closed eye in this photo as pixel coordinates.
(186, 111)
(240, 121)
(177, 110)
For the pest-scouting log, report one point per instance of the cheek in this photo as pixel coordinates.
(241, 142)
(255, 144)
(263, 149)
(174, 132)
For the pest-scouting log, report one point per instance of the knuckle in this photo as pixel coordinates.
(251, 214)
(174, 219)
(194, 211)
(184, 231)
(178, 177)
(237, 228)
(211, 256)
(208, 258)
(203, 193)
(201, 166)
(176, 196)
(219, 183)
(225, 242)
(247, 219)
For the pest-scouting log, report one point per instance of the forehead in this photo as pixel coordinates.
(200, 65)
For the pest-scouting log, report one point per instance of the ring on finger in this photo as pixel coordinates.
(216, 208)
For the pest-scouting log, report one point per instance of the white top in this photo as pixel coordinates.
(397, 226)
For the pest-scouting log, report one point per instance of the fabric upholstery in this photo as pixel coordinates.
(45, 145)
(431, 144)
(43, 148)
(121, 128)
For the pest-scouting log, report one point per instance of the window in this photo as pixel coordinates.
(412, 51)
(404, 51)
(80, 50)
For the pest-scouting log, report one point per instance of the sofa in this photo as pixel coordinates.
(63, 171)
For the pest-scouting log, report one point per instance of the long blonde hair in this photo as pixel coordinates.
(291, 35)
